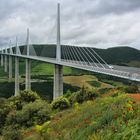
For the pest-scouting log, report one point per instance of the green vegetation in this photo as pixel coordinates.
(92, 108)
(95, 83)
(88, 117)
(22, 111)
(122, 55)
(104, 119)
(83, 95)
(61, 103)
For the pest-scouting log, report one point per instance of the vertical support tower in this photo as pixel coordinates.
(2, 57)
(10, 63)
(58, 69)
(28, 66)
(16, 70)
(5, 64)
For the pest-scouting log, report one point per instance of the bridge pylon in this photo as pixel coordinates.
(10, 63)
(2, 58)
(58, 69)
(28, 65)
(5, 63)
(17, 89)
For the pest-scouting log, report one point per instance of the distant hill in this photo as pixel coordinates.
(122, 55)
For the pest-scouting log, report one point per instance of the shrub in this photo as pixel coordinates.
(67, 94)
(28, 96)
(131, 89)
(11, 133)
(3, 113)
(91, 95)
(83, 95)
(37, 112)
(73, 98)
(61, 103)
(22, 99)
(2, 102)
(15, 102)
(117, 93)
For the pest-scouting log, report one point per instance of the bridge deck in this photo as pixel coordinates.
(130, 73)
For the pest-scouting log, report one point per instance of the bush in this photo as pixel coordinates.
(2, 102)
(22, 99)
(61, 103)
(131, 89)
(28, 96)
(73, 98)
(3, 114)
(15, 102)
(92, 95)
(83, 95)
(11, 133)
(37, 112)
(67, 94)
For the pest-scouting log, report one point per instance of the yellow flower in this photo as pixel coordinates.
(38, 127)
(46, 123)
(76, 106)
(130, 102)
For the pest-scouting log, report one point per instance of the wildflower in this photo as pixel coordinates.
(38, 127)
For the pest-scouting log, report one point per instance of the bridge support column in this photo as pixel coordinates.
(58, 81)
(16, 76)
(1, 60)
(28, 75)
(10, 67)
(5, 64)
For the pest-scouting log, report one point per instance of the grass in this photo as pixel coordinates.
(48, 69)
(79, 81)
(89, 81)
(102, 119)
(113, 83)
(95, 84)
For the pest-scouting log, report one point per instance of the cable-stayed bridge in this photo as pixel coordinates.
(84, 58)
(77, 57)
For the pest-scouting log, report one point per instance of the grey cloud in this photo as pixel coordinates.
(85, 22)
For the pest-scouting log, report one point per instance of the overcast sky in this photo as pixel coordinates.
(95, 23)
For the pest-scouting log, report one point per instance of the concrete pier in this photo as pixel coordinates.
(1, 60)
(10, 67)
(5, 64)
(58, 81)
(16, 76)
(28, 75)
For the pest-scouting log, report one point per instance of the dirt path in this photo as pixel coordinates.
(135, 96)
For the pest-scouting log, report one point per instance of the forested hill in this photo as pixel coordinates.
(121, 55)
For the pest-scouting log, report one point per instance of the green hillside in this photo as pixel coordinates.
(83, 115)
(122, 55)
